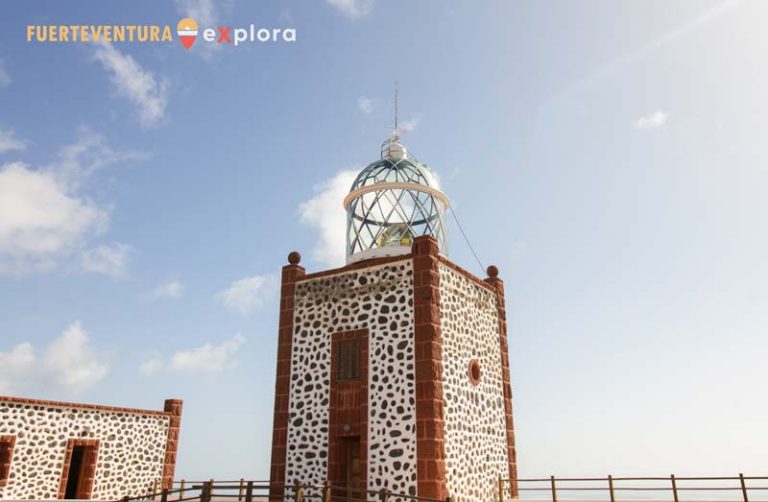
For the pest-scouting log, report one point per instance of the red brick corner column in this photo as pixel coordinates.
(173, 407)
(498, 285)
(291, 273)
(430, 420)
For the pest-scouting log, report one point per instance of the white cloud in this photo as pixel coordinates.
(8, 139)
(132, 81)
(172, 289)
(652, 120)
(406, 126)
(325, 213)
(44, 215)
(209, 357)
(68, 364)
(89, 154)
(40, 220)
(247, 295)
(71, 362)
(16, 366)
(366, 105)
(352, 8)
(202, 11)
(5, 78)
(108, 259)
(152, 366)
(205, 358)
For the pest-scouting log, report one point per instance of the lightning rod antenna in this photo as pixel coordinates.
(396, 130)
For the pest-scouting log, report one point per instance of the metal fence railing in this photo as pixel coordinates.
(248, 491)
(672, 488)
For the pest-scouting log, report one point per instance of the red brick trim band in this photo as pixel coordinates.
(7, 443)
(348, 413)
(89, 468)
(173, 407)
(430, 421)
(83, 406)
(291, 274)
(498, 285)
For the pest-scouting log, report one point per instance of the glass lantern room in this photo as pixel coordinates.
(393, 201)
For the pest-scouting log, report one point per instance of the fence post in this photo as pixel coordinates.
(384, 495)
(164, 495)
(554, 490)
(674, 486)
(154, 488)
(610, 487)
(299, 491)
(249, 492)
(327, 491)
(240, 491)
(181, 490)
(205, 495)
(501, 488)
(743, 487)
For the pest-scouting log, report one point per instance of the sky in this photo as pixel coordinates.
(608, 156)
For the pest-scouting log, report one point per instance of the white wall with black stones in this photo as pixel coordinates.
(475, 425)
(131, 452)
(379, 298)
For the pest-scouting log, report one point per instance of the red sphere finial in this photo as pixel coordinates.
(294, 257)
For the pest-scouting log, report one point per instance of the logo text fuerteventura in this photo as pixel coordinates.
(187, 32)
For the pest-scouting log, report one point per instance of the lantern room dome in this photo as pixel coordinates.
(391, 202)
(390, 170)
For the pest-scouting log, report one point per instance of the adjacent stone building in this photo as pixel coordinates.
(56, 450)
(392, 371)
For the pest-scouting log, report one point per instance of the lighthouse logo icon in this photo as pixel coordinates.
(187, 32)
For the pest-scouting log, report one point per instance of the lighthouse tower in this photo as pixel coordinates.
(392, 371)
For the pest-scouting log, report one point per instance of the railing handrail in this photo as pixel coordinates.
(567, 484)
(640, 478)
(246, 490)
(296, 492)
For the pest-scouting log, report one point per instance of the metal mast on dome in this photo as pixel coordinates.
(395, 106)
(395, 136)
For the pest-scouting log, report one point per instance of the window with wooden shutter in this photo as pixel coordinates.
(348, 367)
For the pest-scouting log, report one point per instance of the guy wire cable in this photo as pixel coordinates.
(466, 239)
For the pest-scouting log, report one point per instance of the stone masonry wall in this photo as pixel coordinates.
(475, 421)
(131, 452)
(380, 299)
